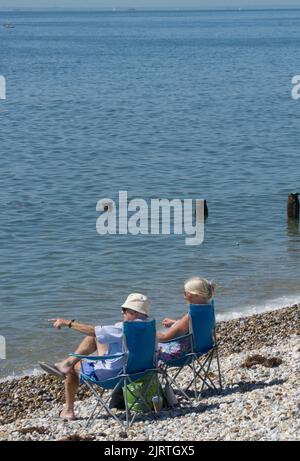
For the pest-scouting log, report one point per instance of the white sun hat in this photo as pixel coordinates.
(137, 302)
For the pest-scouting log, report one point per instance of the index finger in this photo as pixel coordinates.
(52, 320)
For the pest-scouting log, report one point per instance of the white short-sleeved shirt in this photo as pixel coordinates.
(112, 335)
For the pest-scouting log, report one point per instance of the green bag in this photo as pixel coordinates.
(147, 390)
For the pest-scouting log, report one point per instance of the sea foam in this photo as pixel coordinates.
(268, 306)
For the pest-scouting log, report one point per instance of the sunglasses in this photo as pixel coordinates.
(125, 309)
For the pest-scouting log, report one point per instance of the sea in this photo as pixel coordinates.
(162, 105)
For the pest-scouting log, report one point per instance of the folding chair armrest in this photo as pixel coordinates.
(98, 357)
(179, 338)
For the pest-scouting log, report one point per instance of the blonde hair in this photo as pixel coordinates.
(200, 287)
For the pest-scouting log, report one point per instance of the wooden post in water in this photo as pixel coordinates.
(293, 206)
(205, 210)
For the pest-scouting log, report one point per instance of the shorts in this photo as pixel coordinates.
(98, 374)
(88, 369)
(173, 350)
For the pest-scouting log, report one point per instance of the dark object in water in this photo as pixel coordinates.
(253, 360)
(293, 206)
(205, 210)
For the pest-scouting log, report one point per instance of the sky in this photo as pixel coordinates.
(151, 3)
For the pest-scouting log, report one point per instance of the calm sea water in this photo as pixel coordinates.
(161, 104)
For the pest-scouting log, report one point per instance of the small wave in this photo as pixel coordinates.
(268, 306)
(22, 374)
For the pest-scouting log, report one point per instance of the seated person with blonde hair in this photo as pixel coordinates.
(197, 290)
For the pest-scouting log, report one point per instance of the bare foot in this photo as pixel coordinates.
(67, 414)
(65, 366)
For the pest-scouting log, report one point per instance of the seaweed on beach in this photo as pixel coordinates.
(32, 430)
(77, 438)
(273, 362)
(257, 359)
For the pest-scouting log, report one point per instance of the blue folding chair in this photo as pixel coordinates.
(139, 352)
(203, 348)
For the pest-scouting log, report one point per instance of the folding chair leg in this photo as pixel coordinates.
(126, 404)
(169, 378)
(196, 374)
(219, 369)
(195, 380)
(101, 404)
(137, 397)
(92, 414)
(206, 377)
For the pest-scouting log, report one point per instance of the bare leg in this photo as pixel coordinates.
(71, 388)
(102, 349)
(72, 369)
(86, 347)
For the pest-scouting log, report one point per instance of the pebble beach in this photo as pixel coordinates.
(260, 363)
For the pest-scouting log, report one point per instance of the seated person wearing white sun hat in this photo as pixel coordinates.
(102, 340)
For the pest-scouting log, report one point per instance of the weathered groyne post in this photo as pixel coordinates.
(293, 206)
(205, 210)
(293, 227)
